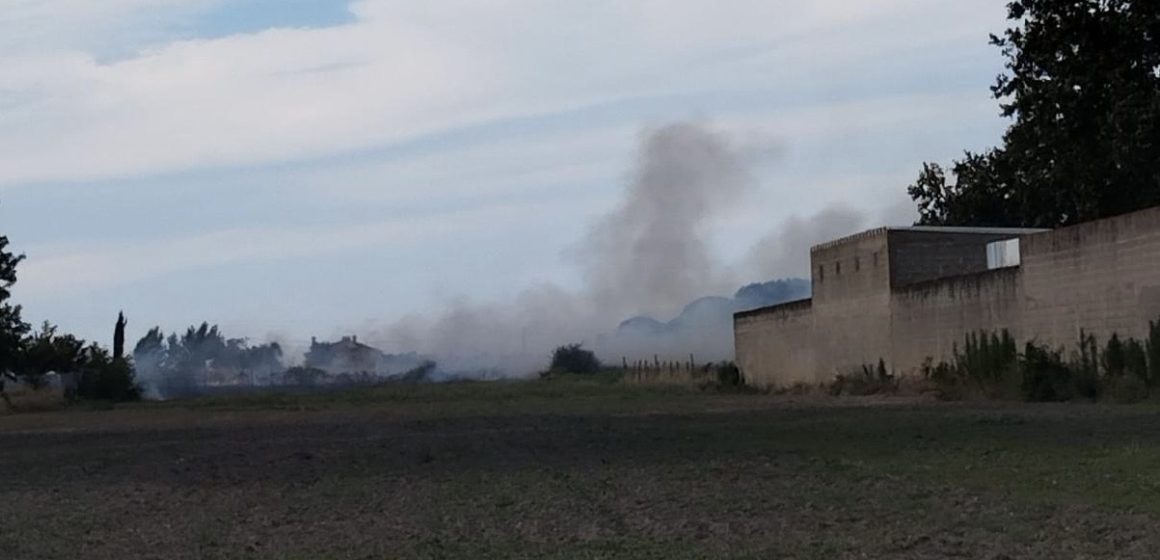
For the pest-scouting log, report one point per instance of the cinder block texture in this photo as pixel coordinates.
(905, 295)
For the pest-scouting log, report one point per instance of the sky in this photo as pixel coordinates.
(298, 168)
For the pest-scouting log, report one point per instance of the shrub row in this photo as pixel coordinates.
(989, 365)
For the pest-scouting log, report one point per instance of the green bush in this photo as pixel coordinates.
(987, 365)
(1113, 357)
(1046, 376)
(948, 385)
(1135, 360)
(1123, 370)
(987, 360)
(105, 378)
(573, 358)
(728, 375)
(1086, 367)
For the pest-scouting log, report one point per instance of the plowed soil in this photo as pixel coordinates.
(576, 470)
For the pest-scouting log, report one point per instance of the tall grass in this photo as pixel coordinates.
(989, 365)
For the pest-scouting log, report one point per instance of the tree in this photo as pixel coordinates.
(46, 352)
(261, 362)
(109, 376)
(1082, 87)
(106, 377)
(12, 328)
(573, 358)
(149, 356)
(119, 337)
(189, 359)
(180, 366)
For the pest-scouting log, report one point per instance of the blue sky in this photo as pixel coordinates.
(289, 168)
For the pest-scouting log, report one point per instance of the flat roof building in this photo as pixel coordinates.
(906, 295)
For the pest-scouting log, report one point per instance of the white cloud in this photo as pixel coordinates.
(230, 101)
(402, 70)
(513, 166)
(53, 271)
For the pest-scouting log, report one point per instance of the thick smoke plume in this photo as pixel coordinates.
(651, 289)
(647, 258)
(648, 255)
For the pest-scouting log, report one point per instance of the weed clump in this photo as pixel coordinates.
(871, 380)
(1046, 377)
(724, 377)
(1123, 370)
(987, 365)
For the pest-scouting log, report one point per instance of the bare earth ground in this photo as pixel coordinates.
(579, 470)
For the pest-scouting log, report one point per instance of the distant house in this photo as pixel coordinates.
(349, 356)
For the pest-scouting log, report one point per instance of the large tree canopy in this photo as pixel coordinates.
(1082, 87)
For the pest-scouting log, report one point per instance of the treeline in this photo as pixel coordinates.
(174, 365)
(178, 366)
(83, 369)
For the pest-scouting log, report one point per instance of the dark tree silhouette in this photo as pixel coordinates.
(573, 358)
(180, 366)
(106, 377)
(12, 328)
(119, 337)
(1082, 87)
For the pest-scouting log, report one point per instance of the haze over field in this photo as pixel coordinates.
(475, 182)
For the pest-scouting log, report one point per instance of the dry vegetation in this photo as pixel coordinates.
(25, 400)
(568, 468)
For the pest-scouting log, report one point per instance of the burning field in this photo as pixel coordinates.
(577, 469)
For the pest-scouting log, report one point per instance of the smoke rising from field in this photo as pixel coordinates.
(785, 251)
(649, 254)
(647, 257)
(651, 284)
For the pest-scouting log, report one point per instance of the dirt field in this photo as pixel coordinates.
(579, 470)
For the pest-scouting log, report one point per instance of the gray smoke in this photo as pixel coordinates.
(786, 251)
(495, 339)
(649, 255)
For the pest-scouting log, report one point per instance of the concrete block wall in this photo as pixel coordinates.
(796, 343)
(777, 347)
(929, 320)
(1102, 277)
(855, 293)
(851, 268)
(874, 297)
